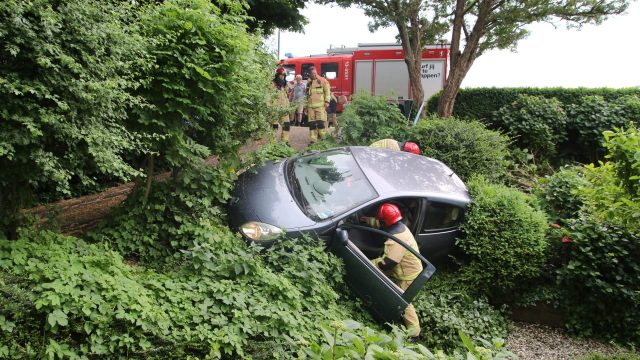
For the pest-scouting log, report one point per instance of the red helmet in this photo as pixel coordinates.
(411, 147)
(389, 214)
(280, 71)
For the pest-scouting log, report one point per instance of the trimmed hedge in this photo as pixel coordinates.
(480, 103)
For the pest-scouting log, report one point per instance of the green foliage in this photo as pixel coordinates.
(269, 152)
(619, 356)
(601, 281)
(481, 103)
(612, 196)
(535, 122)
(267, 15)
(503, 240)
(153, 229)
(63, 297)
(371, 118)
(351, 340)
(445, 307)
(66, 73)
(206, 88)
(558, 193)
(590, 117)
(467, 147)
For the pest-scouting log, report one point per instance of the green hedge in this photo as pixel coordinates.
(480, 103)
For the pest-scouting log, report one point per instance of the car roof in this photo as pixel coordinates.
(398, 174)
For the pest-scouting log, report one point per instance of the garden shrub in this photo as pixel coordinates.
(503, 240)
(558, 193)
(445, 307)
(68, 70)
(589, 118)
(481, 103)
(535, 123)
(467, 147)
(371, 118)
(613, 194)
(63, 297)
(352, 340)
(601, 281)
(153, 229)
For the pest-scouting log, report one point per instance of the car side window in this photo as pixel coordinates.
(439, 216)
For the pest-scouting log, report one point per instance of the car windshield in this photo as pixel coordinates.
(329, 183)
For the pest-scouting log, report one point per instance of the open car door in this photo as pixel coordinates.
(386, 300)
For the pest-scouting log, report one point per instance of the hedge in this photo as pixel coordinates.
(480, 103)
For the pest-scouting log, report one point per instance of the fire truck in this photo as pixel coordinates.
(378, 69)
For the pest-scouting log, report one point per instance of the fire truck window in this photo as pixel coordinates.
(305, 71)
(290, 70)
(329, 70)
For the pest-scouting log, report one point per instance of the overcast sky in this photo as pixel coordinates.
(595, 56)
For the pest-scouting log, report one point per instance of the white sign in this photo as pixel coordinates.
(432, 76)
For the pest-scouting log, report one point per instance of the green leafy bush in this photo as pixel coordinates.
(445, 307)
(535, 123)
(481, 103)
(589, 118)
(467, 147)
(503, 240)
(67, 70)
(352, 340)
(63, 297)
(601, 281)
(371, 118)
(558, 193)
(613, 194)
(152, 230)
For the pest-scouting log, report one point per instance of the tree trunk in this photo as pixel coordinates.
(415, 77)
(149, 182)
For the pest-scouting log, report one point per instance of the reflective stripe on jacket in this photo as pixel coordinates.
(409, 266)
(318, 92)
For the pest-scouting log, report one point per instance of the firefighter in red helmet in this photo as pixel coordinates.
(391, 144)
(281, 105)
(397, 262)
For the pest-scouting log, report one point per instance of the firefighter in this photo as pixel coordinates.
(281, 103)
(318, 97)
(397, 262)
(397, 146)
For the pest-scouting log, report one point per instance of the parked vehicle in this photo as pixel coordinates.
(376, 68)
(325, 194)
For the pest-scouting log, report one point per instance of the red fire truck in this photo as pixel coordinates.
(376, 68)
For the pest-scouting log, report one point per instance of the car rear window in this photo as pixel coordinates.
(328, 184)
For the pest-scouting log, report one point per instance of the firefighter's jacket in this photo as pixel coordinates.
(281, 105)
(318, 92)
(386, 144)
(409, 266)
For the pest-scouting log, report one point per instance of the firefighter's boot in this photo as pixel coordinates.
(285, 132)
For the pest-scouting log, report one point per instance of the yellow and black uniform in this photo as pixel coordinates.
(318, 96)
(387, 144)
(402, 267)
(282, 105)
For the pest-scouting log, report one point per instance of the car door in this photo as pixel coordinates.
(386, 300)
(438, 228)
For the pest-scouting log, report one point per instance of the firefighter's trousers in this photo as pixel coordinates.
(410, 317)
(317, 119)
(286, 126)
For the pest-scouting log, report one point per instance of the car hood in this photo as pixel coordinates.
(261, 194)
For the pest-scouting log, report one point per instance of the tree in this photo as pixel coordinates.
(267, 15)
(475, 27)
(411, 19)
(481, 25)
(65, 87)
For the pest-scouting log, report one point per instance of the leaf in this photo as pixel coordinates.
(57, 317)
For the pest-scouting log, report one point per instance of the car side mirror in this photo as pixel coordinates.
(341, 237)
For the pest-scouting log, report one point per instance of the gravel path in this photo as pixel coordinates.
(530, 341)
(299, 137)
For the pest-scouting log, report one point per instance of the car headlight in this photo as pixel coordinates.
(260, 231)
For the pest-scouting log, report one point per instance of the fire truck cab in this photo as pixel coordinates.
(378, 69)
